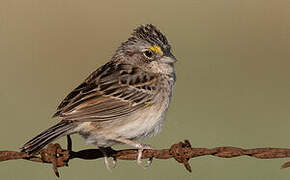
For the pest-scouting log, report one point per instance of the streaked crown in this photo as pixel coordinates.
(152, 35)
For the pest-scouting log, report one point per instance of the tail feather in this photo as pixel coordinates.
(38, 142)
(47, 133)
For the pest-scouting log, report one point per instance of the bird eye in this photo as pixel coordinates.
(148, 54)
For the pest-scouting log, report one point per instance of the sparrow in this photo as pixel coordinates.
(122, 101)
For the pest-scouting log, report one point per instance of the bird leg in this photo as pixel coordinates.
(114, 162)
(140, 148)
(106, 158)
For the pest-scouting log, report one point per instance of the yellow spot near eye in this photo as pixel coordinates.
(156, 49)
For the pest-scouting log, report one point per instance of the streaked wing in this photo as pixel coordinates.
(111, 92)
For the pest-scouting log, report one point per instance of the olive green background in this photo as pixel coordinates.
(232, 88)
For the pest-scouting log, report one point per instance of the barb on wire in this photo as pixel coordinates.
(182, 152)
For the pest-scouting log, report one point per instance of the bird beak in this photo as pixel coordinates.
(169, 59)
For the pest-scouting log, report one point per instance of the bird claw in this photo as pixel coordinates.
(106, 160)
(107, 163)
(114, 162)
(139, 156)
(149, 162)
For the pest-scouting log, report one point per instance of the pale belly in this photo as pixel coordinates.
(147, 122)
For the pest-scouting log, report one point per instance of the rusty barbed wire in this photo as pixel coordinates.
(182, 152)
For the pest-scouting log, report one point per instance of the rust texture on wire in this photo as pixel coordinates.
(182, 152)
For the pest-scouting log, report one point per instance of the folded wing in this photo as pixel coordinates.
(111, 92)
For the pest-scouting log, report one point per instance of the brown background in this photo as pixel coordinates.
(232, 86)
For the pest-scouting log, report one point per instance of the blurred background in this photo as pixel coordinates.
(233, 86)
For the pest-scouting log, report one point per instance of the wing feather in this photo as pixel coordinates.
(111, 92)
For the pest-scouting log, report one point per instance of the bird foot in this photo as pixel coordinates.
(141, 147)
(106, 159)
(107, 163)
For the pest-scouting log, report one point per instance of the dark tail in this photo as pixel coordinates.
(37, 143)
